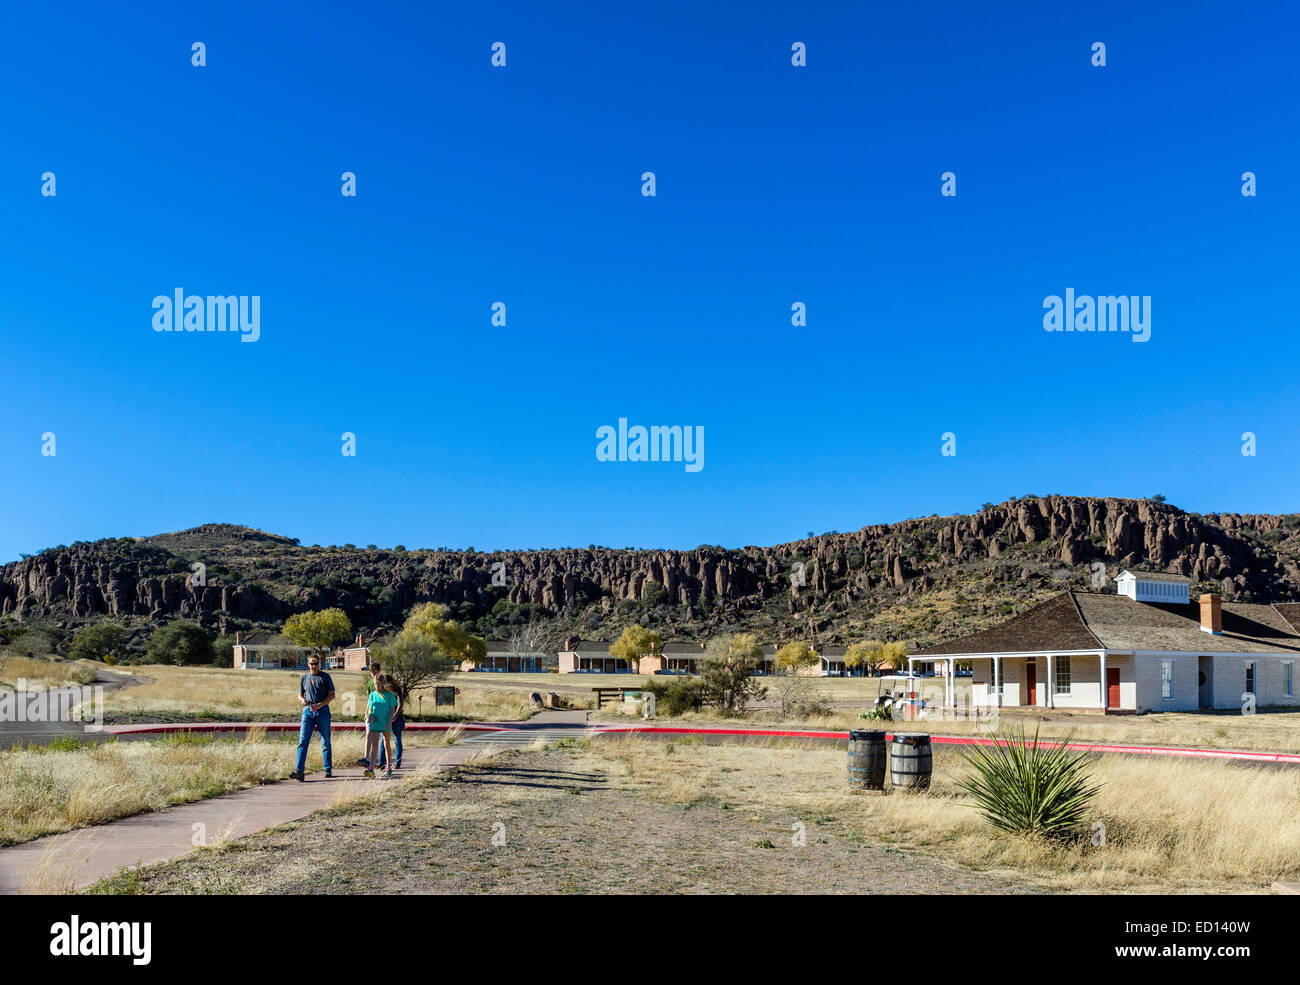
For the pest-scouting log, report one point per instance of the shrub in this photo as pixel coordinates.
(180, 642)
(1021, 785)
(675, 697)
(727, 673)
(98, 641)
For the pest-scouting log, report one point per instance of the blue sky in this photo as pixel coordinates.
(522, 184)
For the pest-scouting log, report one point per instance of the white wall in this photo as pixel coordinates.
(1230, 681)
(1085, 691)
(1149, 689)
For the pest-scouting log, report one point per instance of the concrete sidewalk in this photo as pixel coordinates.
(76, 859)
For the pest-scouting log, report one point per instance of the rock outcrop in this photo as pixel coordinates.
(256, 578)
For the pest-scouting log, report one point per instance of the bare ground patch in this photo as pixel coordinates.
(568, 827)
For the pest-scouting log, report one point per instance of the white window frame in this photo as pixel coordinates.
(1167, 679)
(1288, 678)
(1252, 677)
(1061, 670)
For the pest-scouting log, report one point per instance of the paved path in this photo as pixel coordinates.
(545, 726)
(14, 733)
(79, 858)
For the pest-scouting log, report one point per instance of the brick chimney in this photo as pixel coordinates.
(239, 638)
(1212, 614)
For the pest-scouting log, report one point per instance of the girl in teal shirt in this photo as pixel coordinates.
(379, 720)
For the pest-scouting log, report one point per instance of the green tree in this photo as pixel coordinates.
(653, 594)
(428, 648)
(318, 631)
(727, 673)
(453, 639)
(868, 653)
(180, 642)
(222, 647)
(97, 641)
(635, 643)
(894, 654)
(412, 661)
(789, 662)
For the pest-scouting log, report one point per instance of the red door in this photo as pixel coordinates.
(1112, 687)
(1031, 682)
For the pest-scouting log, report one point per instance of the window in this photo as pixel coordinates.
(1250, 676)
(995, 675)
(1167, 679)
(1062, 675)
(1288, 679)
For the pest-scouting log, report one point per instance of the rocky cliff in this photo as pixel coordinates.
(917, 580)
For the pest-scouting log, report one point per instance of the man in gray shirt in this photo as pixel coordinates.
(315, 692)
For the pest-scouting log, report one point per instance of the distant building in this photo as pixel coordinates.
(268, 651)
(271, 651)
(500, 659)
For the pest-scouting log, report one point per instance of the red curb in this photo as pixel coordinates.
(1259, 757)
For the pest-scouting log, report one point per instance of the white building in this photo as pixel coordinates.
(1148, 648)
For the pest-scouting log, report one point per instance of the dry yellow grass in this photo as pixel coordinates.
(1271, 731)
(214, 693)
(46, 791)
(43, 672)
(1169, 826)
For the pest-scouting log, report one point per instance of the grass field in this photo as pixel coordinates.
(214, 694)
(45, 672)
(635, 816)
(171, 693)
(66, 785)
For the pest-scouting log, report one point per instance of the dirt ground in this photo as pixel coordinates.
(553, 822)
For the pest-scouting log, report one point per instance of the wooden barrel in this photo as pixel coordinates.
(910, 761)
(867, 760)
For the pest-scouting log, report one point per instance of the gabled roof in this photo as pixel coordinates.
(1052, 625)
(1087, 621)
(1127, 625)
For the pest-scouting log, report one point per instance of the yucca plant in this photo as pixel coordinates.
(1021, 785)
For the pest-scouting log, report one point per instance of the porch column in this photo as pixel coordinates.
(1104, 695)
(997, 682)
(1051, 682)
(947, 681)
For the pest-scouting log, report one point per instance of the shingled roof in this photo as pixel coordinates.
(265, 638)
(1086, 621)
(1290, 611)
(1051, 625)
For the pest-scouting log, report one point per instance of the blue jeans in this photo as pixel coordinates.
(319, 721)
(398, 725)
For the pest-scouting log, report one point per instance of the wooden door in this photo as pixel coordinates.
(1112, 687)
(1031, 682)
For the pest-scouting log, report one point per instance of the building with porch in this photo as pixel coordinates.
(673, 658)
(500, 659)
(1147, 648)
(270, 651)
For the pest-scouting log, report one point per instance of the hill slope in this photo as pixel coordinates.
(920, 580)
